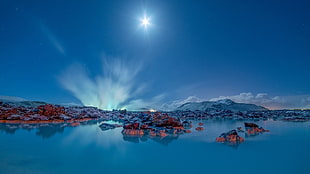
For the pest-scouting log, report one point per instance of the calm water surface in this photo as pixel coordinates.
(87, 149)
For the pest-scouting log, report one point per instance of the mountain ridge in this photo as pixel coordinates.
(225, 104)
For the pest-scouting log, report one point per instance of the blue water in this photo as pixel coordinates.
(87, 149)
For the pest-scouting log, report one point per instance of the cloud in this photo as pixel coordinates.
(247, 98)
(272, 102)
(76, 80)
(53, 39)
(172, 105)
(143, 104)
(115, 88)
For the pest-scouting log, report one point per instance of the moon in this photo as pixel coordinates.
(145, 22)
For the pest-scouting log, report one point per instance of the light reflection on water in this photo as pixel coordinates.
(62, 149)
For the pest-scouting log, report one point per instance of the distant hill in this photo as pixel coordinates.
(11, 99)
(225, 104)
(17, 101)
(25, 103)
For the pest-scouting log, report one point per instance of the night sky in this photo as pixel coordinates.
(92, 52)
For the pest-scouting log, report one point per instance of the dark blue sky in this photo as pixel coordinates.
(201, 48)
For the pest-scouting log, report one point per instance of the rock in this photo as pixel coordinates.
(14, 117)
(230, 137)
(162, 134)
(199, 128)
(132, 126)
(75, 124)
(187, 124)
(239, 129)
(220, 139)
(106, 126)
(133, 132)
(254, 129)
(145, 126)
(252, 125)
(64, 117)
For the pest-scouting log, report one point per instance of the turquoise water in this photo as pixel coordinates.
(87, 149)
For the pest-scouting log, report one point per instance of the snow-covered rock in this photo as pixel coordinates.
(225, 104)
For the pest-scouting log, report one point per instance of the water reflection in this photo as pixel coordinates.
(44, 130)
(140, 138)
(161, 140)
(93, 133)
(48, 130)
(74, 148)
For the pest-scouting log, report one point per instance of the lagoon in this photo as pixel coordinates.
(87, 149)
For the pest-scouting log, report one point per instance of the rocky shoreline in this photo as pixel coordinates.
(140, 125)
(48, 113)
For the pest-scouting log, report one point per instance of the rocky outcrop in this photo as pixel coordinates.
(154, 125)
(230, 137)
(47, 113)
(107, 126)
(251, 125)
(199, 128)
(254, 129)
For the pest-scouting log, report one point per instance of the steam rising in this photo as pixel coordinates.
(113, 89)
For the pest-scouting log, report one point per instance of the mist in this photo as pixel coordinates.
(114, 88)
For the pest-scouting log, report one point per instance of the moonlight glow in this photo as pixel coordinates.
(145, 22)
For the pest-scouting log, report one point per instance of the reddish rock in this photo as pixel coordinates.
(132, 126)
(188, 131)
(168, 122)
(231, 137)
(252, 125)
(133, 132)
(254, 129)
(51, 110)
(162, 134)
(42, 114)
(220, 139)
(75, 124)
(145, 126)
(200, 128)
(152, 133)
